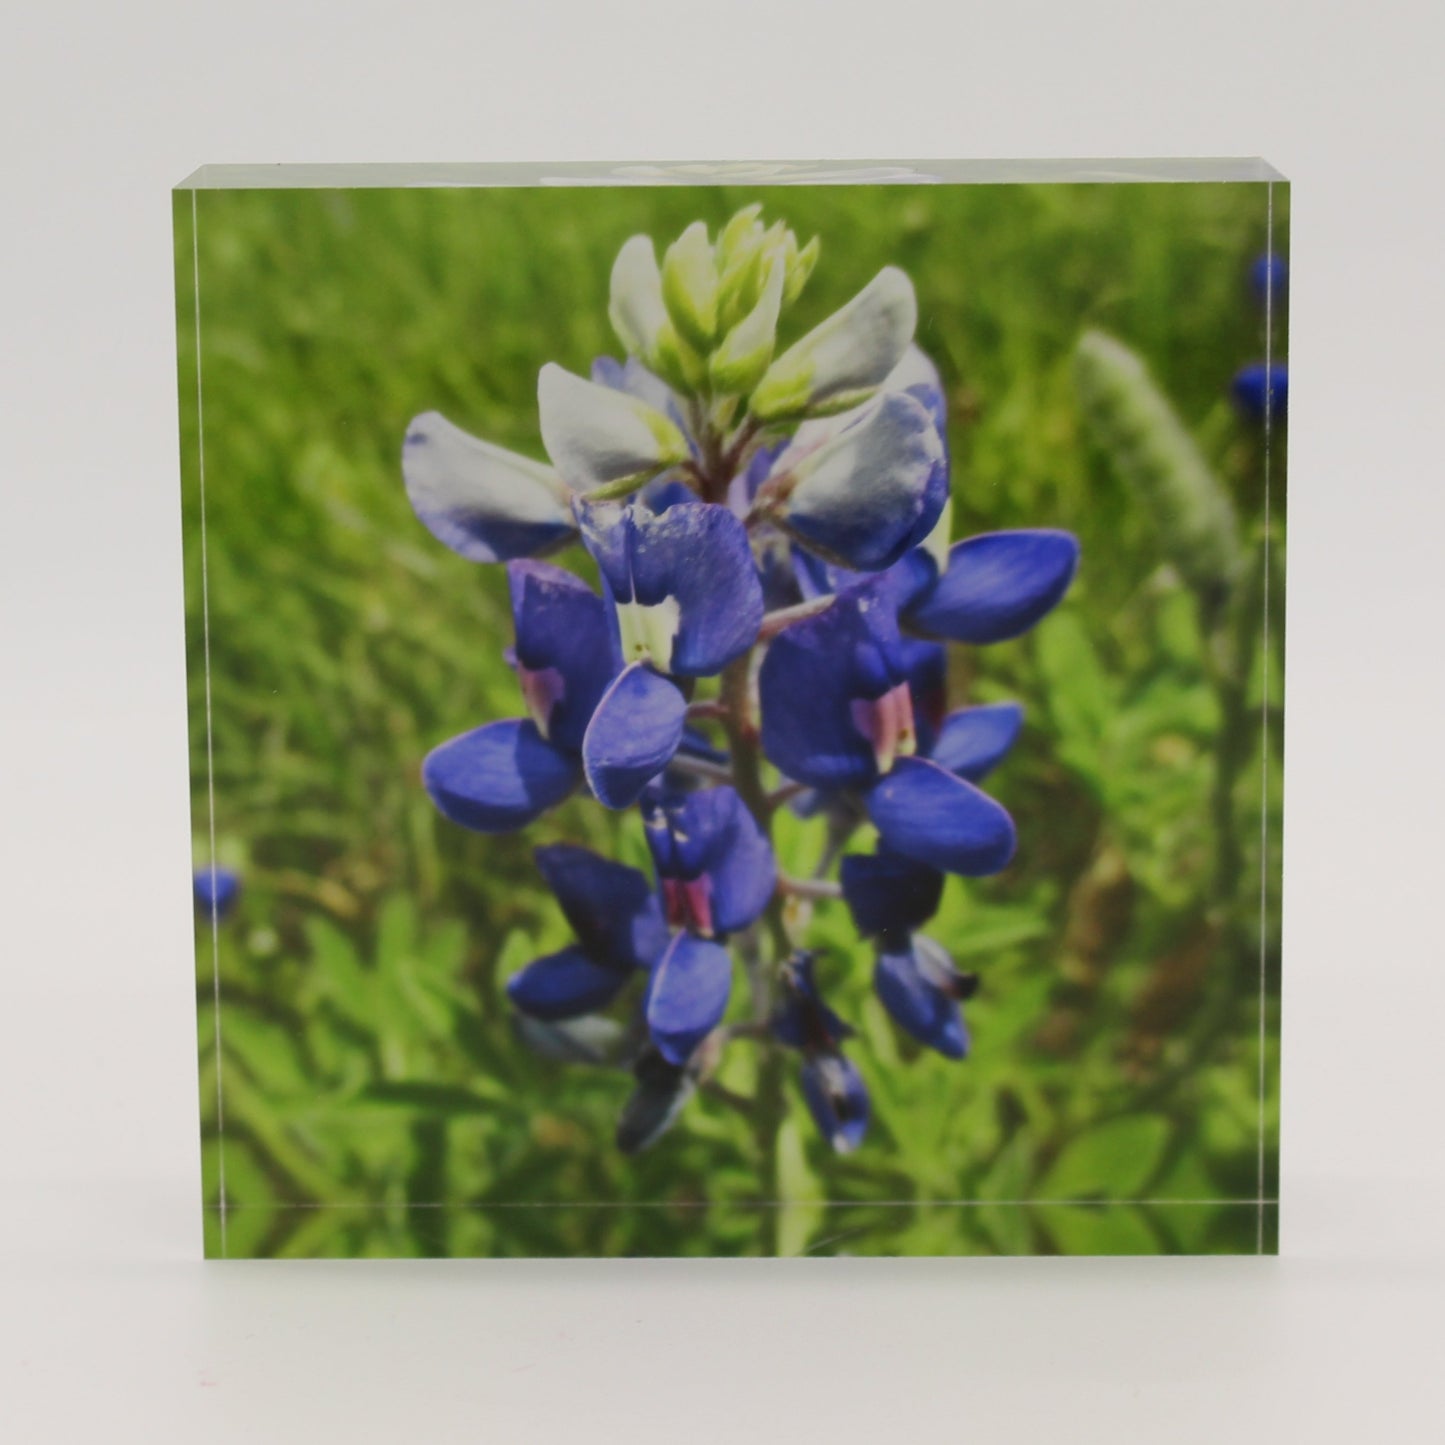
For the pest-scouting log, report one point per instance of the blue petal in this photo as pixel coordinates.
(688, 995)
(777, 569)
(694, 558)
(997, 585)
(916, 1001)
(916, 375)
(667, 491)
(739, 862)
(926, 813)
(744, 876)
(887, 893)
(910, 578)
(563, 626)
(817, 578)
(484, 502)
(661, 1090)
(612, 908)
(499, 777)
(711, 833)
(695, 744)
(838, 1099)
(859, 491)
(1269, 277)
(935, 498)
(215, 890)
(565, 985)
(632, 736)
(1257, 387)
(974, 740)
(810, 678)
(802, 1020)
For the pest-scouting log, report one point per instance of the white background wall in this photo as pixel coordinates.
(110, 1329)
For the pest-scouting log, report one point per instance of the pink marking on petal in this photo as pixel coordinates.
(689, 904)
(542, 691)
(887, 723)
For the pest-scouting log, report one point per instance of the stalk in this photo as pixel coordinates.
(769, 1104)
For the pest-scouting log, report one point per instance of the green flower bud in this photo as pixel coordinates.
(742, 274)
(690, 286)
(676, 362)
(738, 364)
(800, 267)
(736, 232)
(1148, 444)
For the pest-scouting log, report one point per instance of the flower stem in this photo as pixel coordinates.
(769, 1103)
(809, 887)
(774, 622)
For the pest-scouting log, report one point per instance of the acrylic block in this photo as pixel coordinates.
(736, 709)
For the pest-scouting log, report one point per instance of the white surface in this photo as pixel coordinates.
(110, 1328)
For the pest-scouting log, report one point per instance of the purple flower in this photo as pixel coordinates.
(619, 930)
(1261, 390)
(216, 890)
(687, 995)
(684, 600)
(919, 986)
(715, 474)
(834, 1090)
(503, 775)
(714, 865)
(990, 588)
(839, 713)
(890, 898)
(1269, 277)
(716, 874)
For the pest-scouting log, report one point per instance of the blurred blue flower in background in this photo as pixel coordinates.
(215, 890)
(1261, 390)
(1269, 278)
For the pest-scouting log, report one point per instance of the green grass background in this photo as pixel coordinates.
(375, 1100)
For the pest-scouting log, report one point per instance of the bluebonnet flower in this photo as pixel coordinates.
(919, 985)
(832, 1086)
(671, 618)
(714, 865)
(619, 930)
(716, 874)
(503, 775)
(838, 713)
(776, 518)
(1269, 277)
(1259, 390)
(492, 505)
(216, 890)
(890, 898)
(859, 489)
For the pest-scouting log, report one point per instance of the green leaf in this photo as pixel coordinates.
(1114, 1160)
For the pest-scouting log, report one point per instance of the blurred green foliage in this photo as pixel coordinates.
(376, 1101)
